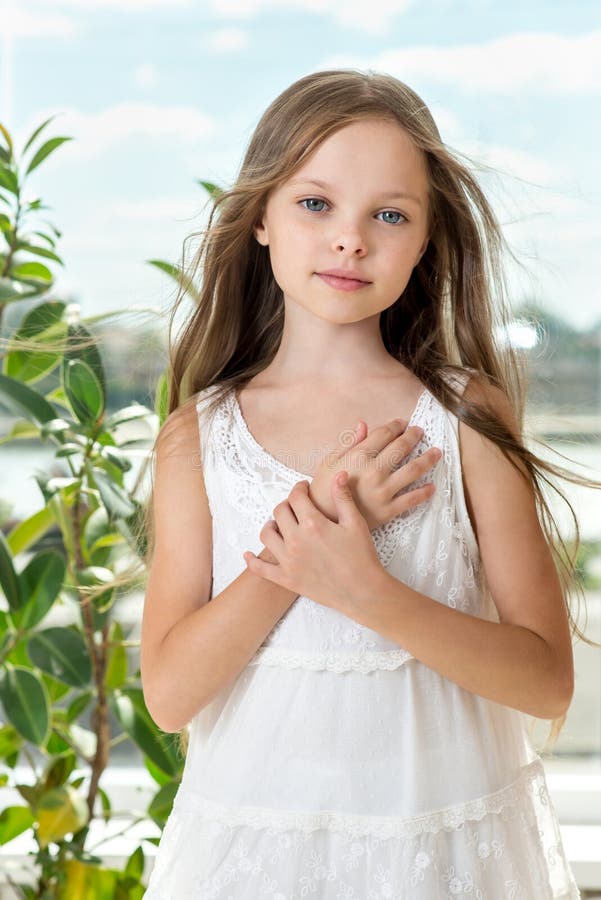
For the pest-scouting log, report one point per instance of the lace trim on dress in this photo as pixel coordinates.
(272, 461)
(368, 661)
(450, 818)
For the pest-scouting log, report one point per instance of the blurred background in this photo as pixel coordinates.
(160, 94)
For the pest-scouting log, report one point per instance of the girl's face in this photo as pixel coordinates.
(358, 219)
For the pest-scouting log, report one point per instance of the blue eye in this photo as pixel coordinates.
(384, 212)
(394, 213)
(309, 199)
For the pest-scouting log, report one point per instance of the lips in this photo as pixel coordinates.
(345, 273)
(342, 284)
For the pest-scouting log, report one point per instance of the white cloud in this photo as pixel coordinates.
(372, 19)
(225, 40)
(533, 63)
(22, 23)
(516, 163)
(86, 5)
(94, 133)
(146, 75)
(44, 18)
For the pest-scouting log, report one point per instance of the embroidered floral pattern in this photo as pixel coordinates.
(472, 849)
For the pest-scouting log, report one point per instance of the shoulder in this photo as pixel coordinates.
(483, 393)
(182, 430)
(493, 480)
(179, 432)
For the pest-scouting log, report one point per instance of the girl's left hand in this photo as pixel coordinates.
(329, 562)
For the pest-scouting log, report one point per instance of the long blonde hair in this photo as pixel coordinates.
(450, 317)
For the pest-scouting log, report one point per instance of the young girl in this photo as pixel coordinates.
(385, 607)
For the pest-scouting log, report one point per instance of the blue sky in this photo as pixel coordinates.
(159, 93)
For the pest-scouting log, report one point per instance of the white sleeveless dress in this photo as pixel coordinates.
(337, 766)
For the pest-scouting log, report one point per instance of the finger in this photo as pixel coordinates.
(272, 539)
(347, 439)
(300, 502)
(392, 454)
(360, 431)
(285, 518)
(412, 498)
(269, 571)
(408, 472)
(382, 435)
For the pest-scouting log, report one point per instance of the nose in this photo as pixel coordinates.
(350, 239)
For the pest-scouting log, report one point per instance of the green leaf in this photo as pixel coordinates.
(29, 531)
(129, 708)
(116, 457)
(81, 344)
(10, 741)
(8, 179)
(42, 323)
(135, 864)
(11, 290)
(87, 881)
(96, 527)
(83, 390)
(23, 400)
(40, 128)
(105, 802)
(60, 811)
(9, 580)
(41, 581)
(162, 398)
(56, 691)
(58, 770)
(77, 706)
(127, 414)
(25, 702)
(213, 189)
(56, 744)
(94, 576)
(116, 670)
(32, 272)
(63, 654)
(39, 251)
(162, 803)
(178, 275)
(14, 820)
(8, 139)
(159, 776)
(21, 431)
(46, 320)
(44, 151)
(115, 499)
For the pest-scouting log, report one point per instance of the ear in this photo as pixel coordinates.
(260, 232)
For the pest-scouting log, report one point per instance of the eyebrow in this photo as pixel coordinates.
(394, 194)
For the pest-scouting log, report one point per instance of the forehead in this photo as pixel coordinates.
(378, 156)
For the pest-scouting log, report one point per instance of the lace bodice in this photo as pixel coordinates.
(431, 547)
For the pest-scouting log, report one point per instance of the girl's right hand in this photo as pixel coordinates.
(376, 474)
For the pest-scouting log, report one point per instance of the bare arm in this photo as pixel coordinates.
(525, 660)
(191, 649)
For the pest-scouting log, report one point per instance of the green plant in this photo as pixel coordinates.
(54, 678)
